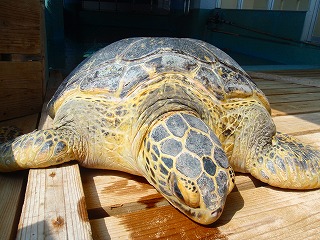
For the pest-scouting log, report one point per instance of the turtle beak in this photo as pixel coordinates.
(202, 206)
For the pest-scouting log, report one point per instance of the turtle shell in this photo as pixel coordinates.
(121, 66)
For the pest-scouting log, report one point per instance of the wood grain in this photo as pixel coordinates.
(20, 27)
(258, 213)
(283, 91)
(298, 124)
(21, 86)
(55, 206)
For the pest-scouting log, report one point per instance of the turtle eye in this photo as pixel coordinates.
(174, 186)
(184, 191)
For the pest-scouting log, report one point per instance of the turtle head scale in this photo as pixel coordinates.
(183, 159)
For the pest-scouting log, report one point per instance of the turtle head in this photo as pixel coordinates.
(183, 159)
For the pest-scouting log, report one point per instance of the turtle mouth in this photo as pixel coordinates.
(191, 203)
(200, 215)
(216, 214)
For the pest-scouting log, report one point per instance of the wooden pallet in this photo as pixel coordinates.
(122, 206)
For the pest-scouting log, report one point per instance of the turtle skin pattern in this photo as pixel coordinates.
(179, 112)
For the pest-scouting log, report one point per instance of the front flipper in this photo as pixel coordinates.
(38, 149)
(287, 163)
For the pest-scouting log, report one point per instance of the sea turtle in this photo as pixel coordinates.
(179, 112)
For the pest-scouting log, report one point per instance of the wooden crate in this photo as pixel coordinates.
(22, 80)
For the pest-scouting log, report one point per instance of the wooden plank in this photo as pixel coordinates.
(304, 80)
(298, 124)
(12, 185)
(275, 85)
(255, 213)
(104, 191)
(11, 197)
(293, 98)
(20, 26)
(281, 109)
(312, 73)
(55, 205)
(20, 89)
(283, 91)
(110, 193)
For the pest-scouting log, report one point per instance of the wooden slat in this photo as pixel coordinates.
(20, 89)
(255, 213)
(288, 77)
(111, 193)
(298, 124)
(274, 85)
(20, 26)
(283, 91)
(281, 109)
(12, 185)
(294, 98)
(55, 206)
(104, 193)
(310, 73)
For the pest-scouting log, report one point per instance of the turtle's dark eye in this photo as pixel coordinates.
(174, 186)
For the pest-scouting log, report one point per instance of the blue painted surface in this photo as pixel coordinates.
(88, 31)
(269, 35)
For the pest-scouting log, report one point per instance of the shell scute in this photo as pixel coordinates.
(171, 62)
(211, 81)
(106, 77)
(132, 77)
(234, 83)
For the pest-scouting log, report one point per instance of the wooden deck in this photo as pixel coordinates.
(70, 203)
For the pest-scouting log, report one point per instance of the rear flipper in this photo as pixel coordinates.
(38, 149)
(287, 163)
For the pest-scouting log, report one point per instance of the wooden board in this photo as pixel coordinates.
(289, 77)
(298, 124)
(259, 213)
(279, 85)
(12, 185)
(283, 91)
(294, 97)
(20, 89)
(281, 109)
(55, 206)
(20, 27)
